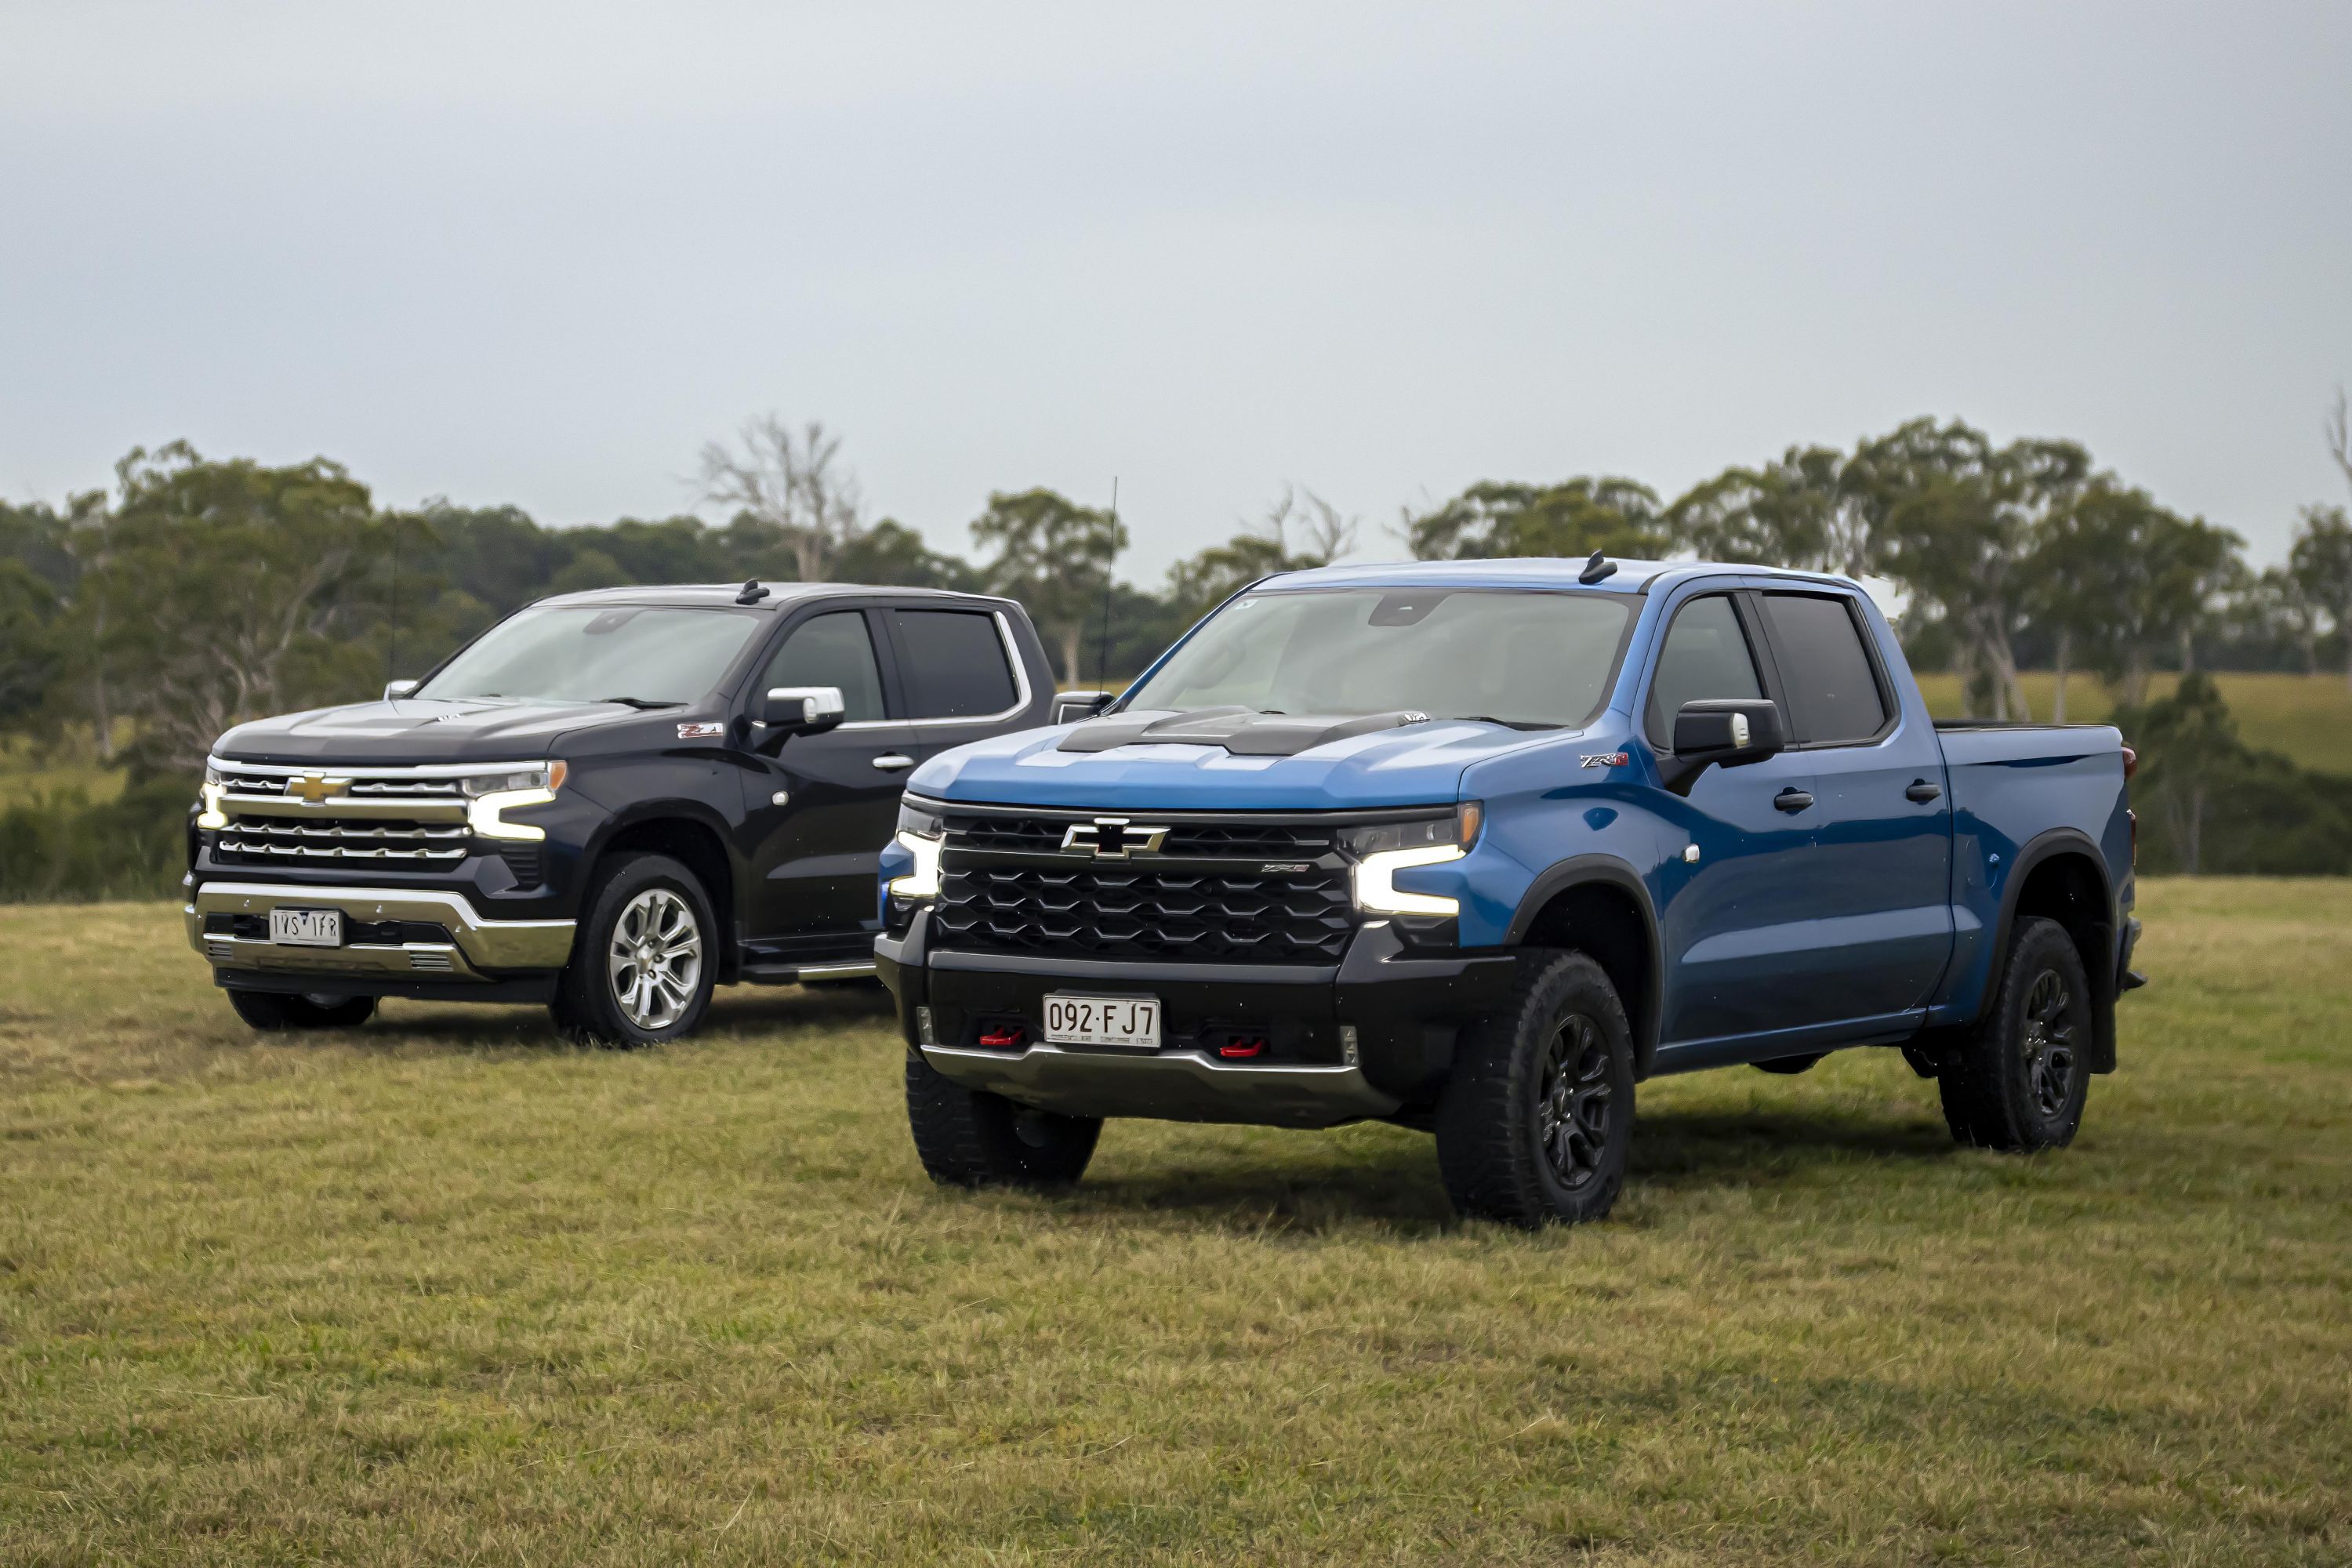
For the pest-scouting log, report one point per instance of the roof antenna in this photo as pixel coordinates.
(1598, 569)
(752, 593)
(1102, 646)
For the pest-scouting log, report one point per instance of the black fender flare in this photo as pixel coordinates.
(1608, 871)
(2042, 846)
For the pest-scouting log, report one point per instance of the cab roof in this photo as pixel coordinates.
(1529, 571)
(779, 596)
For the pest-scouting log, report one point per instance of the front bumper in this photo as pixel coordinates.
(471, 947)
(1372, 1036)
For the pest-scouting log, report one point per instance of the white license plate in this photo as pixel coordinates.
(307, 928)
(1129, 1021)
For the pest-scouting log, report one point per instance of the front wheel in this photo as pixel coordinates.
(1534, 1124)
(642, 965)
(970, 1138)
(275, 1010)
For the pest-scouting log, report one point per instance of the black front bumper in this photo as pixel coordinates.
(1372, 1035)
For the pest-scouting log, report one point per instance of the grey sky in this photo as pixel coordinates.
(537, 255)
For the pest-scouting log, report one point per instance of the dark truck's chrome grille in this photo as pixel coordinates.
(1230, 889)
(262, 840)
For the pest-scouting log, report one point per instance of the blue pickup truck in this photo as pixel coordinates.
(1476, 847)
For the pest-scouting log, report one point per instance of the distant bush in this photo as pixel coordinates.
(2209, 803)
(59, 846)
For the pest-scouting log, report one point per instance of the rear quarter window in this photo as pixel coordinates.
(955, 664)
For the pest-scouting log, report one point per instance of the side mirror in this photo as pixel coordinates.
(395, 690)
(1071, 706)
(789, 710)
(1728, 732)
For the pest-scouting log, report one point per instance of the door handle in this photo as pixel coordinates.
(1922, 791)
(1792, 799)
(893, 761)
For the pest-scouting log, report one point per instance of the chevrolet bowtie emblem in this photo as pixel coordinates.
(314, 787)
(1114, 838)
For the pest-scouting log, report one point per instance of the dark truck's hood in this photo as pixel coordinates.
(1223, 759)
(418, 730)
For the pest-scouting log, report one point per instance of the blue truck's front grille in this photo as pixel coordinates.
(1101, 912)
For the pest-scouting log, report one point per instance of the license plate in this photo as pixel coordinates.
(1133, 1021)
(307, 928)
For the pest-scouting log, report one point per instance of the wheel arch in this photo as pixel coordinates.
(2060, 875)
(701, 849)
(1600, 906)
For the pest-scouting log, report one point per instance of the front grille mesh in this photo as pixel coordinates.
(1218, 890)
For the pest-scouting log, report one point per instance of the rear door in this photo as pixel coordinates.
(1879, 874)
(819, 811)
(959, 673)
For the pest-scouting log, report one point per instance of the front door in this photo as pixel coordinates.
(820, 809)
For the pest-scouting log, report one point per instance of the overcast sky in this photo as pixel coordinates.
(537, 255)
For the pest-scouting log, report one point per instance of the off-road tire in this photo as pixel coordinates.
(1789, 1066)
(969, 1138)
(587, 1008)
(2007, 1086)
(275, 1010)
(1508, 1147)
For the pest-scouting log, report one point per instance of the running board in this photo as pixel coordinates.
(793, 973)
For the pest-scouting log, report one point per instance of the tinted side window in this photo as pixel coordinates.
(1832, 694)
(1705, 656)
(955, 664)
(832, 649)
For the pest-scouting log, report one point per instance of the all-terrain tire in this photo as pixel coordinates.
(969, 1138)
(2019, 1080)
(1535, 1122)
(642, 962)
(275, 1010)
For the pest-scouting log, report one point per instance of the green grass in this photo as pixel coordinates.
(444, 1289)
(2308, 717)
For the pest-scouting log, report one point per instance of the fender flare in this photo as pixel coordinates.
(1579, 871)
(2042, 847)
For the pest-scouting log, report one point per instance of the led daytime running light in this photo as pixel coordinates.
(1376, 888)
(923, 881)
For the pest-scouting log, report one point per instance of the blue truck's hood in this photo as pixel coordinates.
(1420, 765)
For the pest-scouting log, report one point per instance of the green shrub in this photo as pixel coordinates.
(59, 846)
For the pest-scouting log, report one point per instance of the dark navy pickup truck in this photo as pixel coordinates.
(1479, 846)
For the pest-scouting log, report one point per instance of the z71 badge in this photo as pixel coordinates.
(1603, 760)
(705, 731)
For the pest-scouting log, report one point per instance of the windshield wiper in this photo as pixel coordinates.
(640, 703)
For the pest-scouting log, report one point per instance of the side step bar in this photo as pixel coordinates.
(793, 973)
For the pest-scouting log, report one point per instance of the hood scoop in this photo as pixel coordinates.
(1242, 732)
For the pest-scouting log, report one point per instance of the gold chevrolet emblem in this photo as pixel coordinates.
(314, 787)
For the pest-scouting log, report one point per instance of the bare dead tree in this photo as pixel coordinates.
(1325, 534)
(793, 481)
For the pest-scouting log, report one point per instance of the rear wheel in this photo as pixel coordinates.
(1535, 1123)
(276, 1010)
(969, 1138)
(2021, 1081)
(641, 967)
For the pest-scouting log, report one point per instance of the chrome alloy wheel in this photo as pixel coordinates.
(1572, 1102)
(655, 961)
(2049, 1043)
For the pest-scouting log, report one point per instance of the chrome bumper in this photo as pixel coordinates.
(475, 943)
(1173, 1086)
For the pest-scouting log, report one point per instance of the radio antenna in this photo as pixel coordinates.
(392, 638)
(1102, 648)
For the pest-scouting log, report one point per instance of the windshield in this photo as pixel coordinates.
(1530, 659)
(597, 653)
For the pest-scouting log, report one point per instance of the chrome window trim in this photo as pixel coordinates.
(1021, 692)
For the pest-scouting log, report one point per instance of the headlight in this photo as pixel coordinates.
(490, 795)
(921, 833)
(1382, 851)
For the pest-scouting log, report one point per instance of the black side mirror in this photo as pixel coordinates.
(1071, 706)
(1729, 733)
(394, 690)
(788, 711)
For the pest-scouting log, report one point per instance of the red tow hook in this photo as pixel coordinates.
(1004, 1038)
(1241, 1048)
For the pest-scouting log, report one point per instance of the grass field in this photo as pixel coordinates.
(2308, 717)
(444, 1290)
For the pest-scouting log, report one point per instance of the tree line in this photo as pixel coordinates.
(148, 615)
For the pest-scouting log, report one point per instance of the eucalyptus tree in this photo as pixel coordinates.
(1054, 556)
(1574, 516)
(1298, 531)
(1807, 509)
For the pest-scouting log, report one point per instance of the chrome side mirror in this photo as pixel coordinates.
(800, 709)
(394, 690)
(1071, 706)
